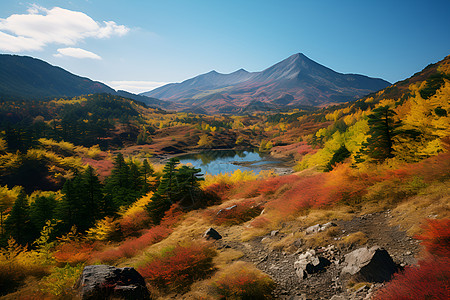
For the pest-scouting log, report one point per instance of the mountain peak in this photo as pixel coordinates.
(241, 70)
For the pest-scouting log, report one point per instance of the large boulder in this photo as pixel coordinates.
(309, 263)
(108, 282)
(372, 265)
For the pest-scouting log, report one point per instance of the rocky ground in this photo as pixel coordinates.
(329, 284)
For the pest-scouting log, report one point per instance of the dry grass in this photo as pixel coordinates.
(353, 239)
(226, 256)
(431, 203)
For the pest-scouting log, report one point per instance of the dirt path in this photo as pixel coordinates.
(280, 265)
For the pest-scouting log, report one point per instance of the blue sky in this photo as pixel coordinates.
(137, 44)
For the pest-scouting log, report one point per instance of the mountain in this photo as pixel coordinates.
(31, 78)
(294, 81)
(27, 77)
(191, 87)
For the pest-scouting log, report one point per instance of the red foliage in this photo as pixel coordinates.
(263, 186)
(429, 280)
(133, 224)
(220, 189)
(132, 246)
(235, 213)
(75, 252)
(180, 267)
(436, 237)
(172, 216)
(103, 166)
(260, 222)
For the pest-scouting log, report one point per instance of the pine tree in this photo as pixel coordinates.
(42, 210)
(146, 171)
(94, 201)
(163, 198)
(382, 131)
(18, 224)
(176, 186)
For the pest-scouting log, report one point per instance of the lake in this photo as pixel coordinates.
(214, 162)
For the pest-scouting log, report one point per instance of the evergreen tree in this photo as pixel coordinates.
(176, 186)
(146, 171)
(382, 131)
(42, 210)
(18, 224)
(94, 200)
(188, 180)
(117, 187)
(83, 201)
(339, 156)
(162, 199)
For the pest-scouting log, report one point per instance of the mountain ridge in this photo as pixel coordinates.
(26, 77)
(297, 77)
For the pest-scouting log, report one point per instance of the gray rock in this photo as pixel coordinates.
(372, 265)
(318, 228)
(313, 229)
(309, 263)
(105, 282)
(211, 233)
(274, 232)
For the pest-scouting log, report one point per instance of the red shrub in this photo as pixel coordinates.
(429, 280)
(235, 213)
(172, 216)
(132, 246)
(436, 237)
(220, 189)
(133, 224)
(260, 222)
(180, 266)
(74, 253)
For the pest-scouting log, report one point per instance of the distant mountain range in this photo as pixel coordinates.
(25, 77)
(293, 82)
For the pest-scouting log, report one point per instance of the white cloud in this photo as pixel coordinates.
(135, 86)
(41, 27)
(77, 53)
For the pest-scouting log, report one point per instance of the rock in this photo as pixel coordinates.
(309, 263)
(318, 228)
(211, 233)
(105, 282)
(274, 232)
(313, 229)
(372, 265)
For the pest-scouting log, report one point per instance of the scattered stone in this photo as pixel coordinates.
(274, 232)
(211, 233)
(265, 240)
(318, 228)
(228, 208)
(371, 265)
(309, 263)
(313, 229)
(408, 253)
(105, 282)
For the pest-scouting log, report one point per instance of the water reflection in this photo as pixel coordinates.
(222, 161)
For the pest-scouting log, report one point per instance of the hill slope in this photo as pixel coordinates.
(27, 77)
(31, 78)
(294, 81)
